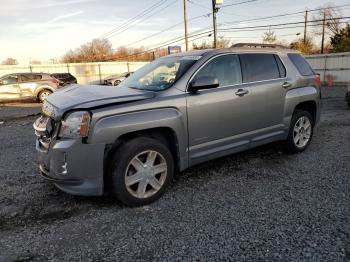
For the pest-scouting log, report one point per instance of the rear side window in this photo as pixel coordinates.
(300, 63)
(28, 78)
(281, 67)
(259, 67)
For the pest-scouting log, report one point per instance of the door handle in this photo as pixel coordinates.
(286, 85)
(241, 92)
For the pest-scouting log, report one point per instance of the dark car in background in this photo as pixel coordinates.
(27, 86)
(65, 78)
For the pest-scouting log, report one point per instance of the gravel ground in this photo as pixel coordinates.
(257, 205)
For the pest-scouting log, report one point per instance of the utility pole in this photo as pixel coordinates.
(214, 22)
(323, 31)
(305, 27)
(185, 22)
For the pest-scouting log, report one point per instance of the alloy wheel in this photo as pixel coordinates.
(302, 132)
(146, 174)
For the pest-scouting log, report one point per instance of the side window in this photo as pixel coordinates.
(9, 80)
(26, 78)
(258, 67)
(225, 68)
(300, 63)
(37, 77)
(281, 67)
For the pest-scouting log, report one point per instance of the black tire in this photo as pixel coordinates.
(291, 146)
(40, 95)
(120, 162)
(116, 82)
(349, 104)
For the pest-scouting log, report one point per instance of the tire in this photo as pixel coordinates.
(349, 104)
(116, 82)
(43, 94)
(302, 124)
(145, 186)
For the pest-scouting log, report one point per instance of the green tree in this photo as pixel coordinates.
(269, 37)
(341, 41)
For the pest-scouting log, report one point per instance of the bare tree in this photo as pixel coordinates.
(94, 51)
(331, 14)
(220, 43)
(34, 62)
(9, 61)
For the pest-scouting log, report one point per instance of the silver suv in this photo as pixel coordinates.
(131, 140)
(27, 86)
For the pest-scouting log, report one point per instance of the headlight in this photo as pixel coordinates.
(49, 109)
(75, 125)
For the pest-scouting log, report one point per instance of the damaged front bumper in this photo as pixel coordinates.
(73, 166)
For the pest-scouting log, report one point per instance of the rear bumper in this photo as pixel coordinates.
(73, 166)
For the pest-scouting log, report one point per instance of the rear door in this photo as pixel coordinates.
(28, 84)
(9, 88)
(265, 77)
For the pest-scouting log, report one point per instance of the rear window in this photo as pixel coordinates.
(301, 64)
(258, 67)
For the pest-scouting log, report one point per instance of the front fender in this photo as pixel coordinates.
(107, 130)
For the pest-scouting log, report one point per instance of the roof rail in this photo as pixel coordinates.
(255, 45)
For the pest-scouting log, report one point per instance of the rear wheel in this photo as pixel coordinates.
(300, 132)
(43, 95)
(141, 170)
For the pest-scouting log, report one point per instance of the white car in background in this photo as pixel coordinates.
(114, 80)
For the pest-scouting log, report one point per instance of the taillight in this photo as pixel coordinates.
(318, 80)
(55, 81)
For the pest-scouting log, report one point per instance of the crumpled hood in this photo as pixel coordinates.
(89, 96)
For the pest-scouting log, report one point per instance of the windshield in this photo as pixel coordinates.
(160, 74)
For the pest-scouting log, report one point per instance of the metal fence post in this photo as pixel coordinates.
(325, 69)
(68, 68)
(30, 68)
(99, 73)
(128, 66)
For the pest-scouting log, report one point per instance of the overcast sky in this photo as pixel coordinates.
(45, 29)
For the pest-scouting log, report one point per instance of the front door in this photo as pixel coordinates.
(216, 116)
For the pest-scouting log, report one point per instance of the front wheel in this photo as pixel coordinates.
(43, 95)
(116, 82)
(141, 170)
(300, 131)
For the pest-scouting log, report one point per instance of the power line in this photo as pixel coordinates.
(291, 23)
(239, 3)
(166, 29)
(149, 12)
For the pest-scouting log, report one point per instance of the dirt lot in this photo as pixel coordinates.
(257, 205)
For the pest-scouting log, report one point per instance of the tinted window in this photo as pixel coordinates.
(225, 68)
(9, 80)
(281, 67)
(300, 63)
(258, 67)
(28, 78)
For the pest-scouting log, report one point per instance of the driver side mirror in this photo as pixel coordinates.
(203, 82)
